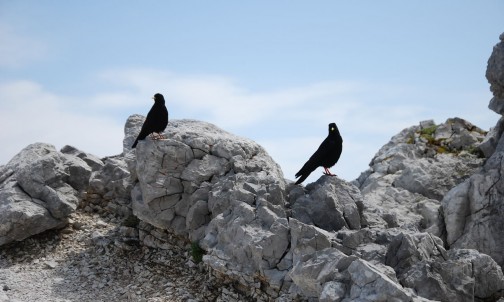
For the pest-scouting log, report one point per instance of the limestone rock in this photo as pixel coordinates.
(495, 76)
(94, 162)
(323, 266)
(411, 174)
(492, 139)
(110, 186)
(421, 263)
(216, 188)
(330, 204)
(39, 188)
(473, 210)
(368, 283)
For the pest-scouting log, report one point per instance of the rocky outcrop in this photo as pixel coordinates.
(473, 210)
(409, 176)
(495, 77)
(421, 263)
(422, 224)
(39, 188)
(316, 242)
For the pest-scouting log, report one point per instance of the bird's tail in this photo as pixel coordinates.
(135, 143)
(303, 177)
(305, 171)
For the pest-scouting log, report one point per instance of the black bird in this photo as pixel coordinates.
(156, 120)
(327, 155)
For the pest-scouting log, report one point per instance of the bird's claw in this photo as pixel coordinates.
(157, 136)
(327, 172)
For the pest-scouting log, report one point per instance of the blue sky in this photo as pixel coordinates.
(277, 72)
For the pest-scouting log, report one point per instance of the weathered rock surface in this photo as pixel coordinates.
(495, 77)
(473, 210)
(421, 263)
(422, 224)
(330, 204)
(110, 187)
(227, 194)
(39, 188)
(410, 175)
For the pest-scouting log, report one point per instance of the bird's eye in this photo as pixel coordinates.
(332, 129)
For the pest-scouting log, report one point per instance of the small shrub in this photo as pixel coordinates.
(131, 221)
(475, 151)
(411, 140)
(441, 150)
(429, 130)
(197, 252)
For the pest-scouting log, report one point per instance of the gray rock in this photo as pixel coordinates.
(421, 263)
(111, 185)
(492, 139)
(307, 239)
(93, 161)
(472, 213)
(486, 274)
(407, 249)
(200, 170)
(368, 283)
(40, 187)
(311, 274)
(216, 188)
(464, 275)
(333, 291)
(330, 204)
(495, 77)
(410, 174)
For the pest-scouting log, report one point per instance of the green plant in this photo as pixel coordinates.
(197, 252)
(131, 221)
(441, 150)
(475, 151)
(428, 130)
(411, 140)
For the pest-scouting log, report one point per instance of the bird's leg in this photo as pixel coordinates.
(327, 172)
(161, 136)
(157, 136)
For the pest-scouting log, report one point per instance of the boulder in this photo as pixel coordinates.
(39, 188)
(93, 161)
(330, 204)
(473, 210)
(410, 175)
(421, 263)
(215, 188)
(495, 77)
(110, 186)
(368, 283)
(321, 267)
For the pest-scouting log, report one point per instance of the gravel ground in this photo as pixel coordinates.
(90, 260)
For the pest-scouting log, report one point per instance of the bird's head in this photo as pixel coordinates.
(158, 97)
(333, 129)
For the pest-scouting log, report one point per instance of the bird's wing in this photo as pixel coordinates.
(322, 152)
(316, 159)
(147, 126)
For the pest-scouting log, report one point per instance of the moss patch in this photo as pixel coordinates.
(197, 252)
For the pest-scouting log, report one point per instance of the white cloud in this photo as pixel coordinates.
(30, 114)
(17, 50)
(289, 123)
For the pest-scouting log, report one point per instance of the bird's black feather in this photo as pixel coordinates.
(327, 154)
(156, 120)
